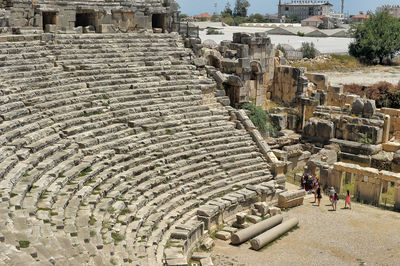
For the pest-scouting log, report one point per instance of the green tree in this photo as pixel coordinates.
(228, 9)
(241, 7)
(256, 18)
(294, 18)
(308, 49)
(215, 18)
(377, 39)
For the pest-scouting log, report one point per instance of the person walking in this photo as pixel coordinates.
(335, 201)
(319, 195)
(348, 200)
(331, 194)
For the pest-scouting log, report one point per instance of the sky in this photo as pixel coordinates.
(194, 7)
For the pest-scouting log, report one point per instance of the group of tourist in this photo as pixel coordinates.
(312, 185)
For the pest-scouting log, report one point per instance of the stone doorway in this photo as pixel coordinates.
(86, 18)
(49, 18)
(213, 61)
(159, 21)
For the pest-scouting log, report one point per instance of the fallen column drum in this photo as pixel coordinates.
(256, 229)
(272, 234)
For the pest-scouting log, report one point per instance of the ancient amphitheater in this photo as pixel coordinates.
(116, 146)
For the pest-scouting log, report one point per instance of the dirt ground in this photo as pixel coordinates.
(364, 76)
(364, 235)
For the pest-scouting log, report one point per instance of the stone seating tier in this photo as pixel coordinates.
(107, 148)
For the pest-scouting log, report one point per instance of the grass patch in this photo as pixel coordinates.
(85, 171)
(388, 197)
(92, 233)
(111, 210)
(26, 174)
(125, 211)
(117, 237)
(61, 175)
(23, 244)
(92, 220)
(169, 132)
(336, 63)
(290, 176)
(12, 195)
(214, 32)
(219, 228)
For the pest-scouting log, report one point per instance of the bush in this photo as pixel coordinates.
(308, 49)
(364, 139)
(301, 34)
(214, 32)
(282, 49)
(385, 94)
(261, 119)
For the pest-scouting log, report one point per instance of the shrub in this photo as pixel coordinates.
(213, 32)
(261, 119)
(364, 139)
(301, 34)
(385, 94)
(282, 49)
(258, 116)
(23, 244)
(308, 49)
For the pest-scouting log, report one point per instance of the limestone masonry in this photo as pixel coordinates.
(121, 142)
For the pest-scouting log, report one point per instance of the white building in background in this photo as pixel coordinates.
(304, 9)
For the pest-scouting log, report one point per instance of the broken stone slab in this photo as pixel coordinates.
(177, 262)
(208, 210)
(240, 218)
(208, 243)
(253, 219)
(223, 235)
(199, 255)
(206, 262)
(256, 229)
(262, 208)
(274, 211)
(229, 229)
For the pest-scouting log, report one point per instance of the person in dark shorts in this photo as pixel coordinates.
(319, 195)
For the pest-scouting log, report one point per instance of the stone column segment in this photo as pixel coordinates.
(270, 235)
(256, 229)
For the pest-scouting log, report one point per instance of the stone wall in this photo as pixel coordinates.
(120, 16)
(289, 84)
(369, 182)
(394, 121)
(334, 122)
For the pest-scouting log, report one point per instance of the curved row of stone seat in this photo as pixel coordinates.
(90, 170)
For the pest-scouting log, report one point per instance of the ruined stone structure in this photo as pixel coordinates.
(110, 144)
(243, 67)
(126, 147)
(99, 16)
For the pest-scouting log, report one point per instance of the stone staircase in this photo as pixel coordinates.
(107, 145)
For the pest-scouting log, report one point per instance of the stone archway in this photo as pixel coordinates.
(213, 61)
(256, 82)
(235, 90)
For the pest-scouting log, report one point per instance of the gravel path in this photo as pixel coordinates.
(364, 235)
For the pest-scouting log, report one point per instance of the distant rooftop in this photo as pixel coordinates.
(307, 3)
